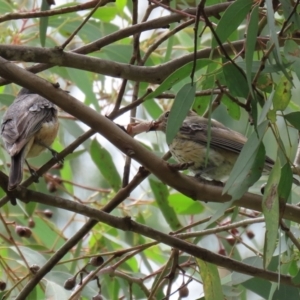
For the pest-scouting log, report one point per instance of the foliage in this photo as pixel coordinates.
(102, 226)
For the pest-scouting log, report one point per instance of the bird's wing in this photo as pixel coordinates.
(221, 136)
(23, 119)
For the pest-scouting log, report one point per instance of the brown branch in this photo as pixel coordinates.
(70, 38)
(119, 197)
(154, 74)
(184, 184)
(52, 12)
(126, 224)
(126, 32)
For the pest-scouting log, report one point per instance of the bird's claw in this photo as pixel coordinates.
(180, 166)
(35, 175)
(211, 182)
(55, 155)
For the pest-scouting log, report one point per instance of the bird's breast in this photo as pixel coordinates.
(45, 136)
(217, 165)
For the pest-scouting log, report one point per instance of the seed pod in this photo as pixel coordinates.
(48, 213)
(70, 283)
(31, 223)
(34, 269)
(23, 231)
(51, 187)
(250, 234)
(96, 261)
(222, 251)
(2, 285)
(183, 291)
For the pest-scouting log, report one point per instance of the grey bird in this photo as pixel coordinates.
(29, 126)
(190, 146)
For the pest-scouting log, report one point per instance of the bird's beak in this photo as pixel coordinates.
(156, 125)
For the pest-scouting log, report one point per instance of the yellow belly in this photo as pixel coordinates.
(219, 163)
(45, 136)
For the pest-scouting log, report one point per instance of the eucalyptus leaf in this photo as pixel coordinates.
(249, 164)
(211, 280)
(231, 19)
(294, 119)
(182, 104)
(270, 208)
(44, 23)
(161, 195)
(104, 162)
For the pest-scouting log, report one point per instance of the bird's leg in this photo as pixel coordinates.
(33, 173)
(53, 152)
(211, 182)
(180, 166)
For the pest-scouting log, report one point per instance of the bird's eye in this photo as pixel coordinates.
(167, 114)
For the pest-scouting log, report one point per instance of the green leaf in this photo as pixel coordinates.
(273, 29)
(54, 286)
(120, 4)
(44, 23)
(233, 75)
(105, 14)
(282, 94)
(182, 104)
(291, 52)
(270, 209)
(82, 79)
(5, 7)
(32, 257)
(268, 68)
(6, 99)
(177, 76)
(105, 164)
(153, 109)
(294, 119)
(285, 183)
(231, 19)
(233, 108)
(210, 280)
(161, 195)
(249, 164)
(266, 108)
(185, 205)
(251, 41)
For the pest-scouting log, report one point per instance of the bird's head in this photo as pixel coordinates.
(161, 123)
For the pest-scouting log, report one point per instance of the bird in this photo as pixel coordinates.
(189, 147)
(29, 126)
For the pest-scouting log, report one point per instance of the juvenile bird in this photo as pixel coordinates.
(29, 126)
(190, 146)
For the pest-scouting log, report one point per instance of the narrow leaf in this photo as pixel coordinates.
(182, 104)
(185, 205)
(161, 195)
(251, 41)
(270, 208)
(233, 75)
(285, 184)
(231, 19)
(273, 29)
(294, 119)
(177, 76)
(292, 53)
(44, 23)
(234, 110)
(105, 164)
(249, 164)
(282, 94)
(211, 280)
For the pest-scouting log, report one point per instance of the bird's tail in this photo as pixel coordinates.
(16, 170)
